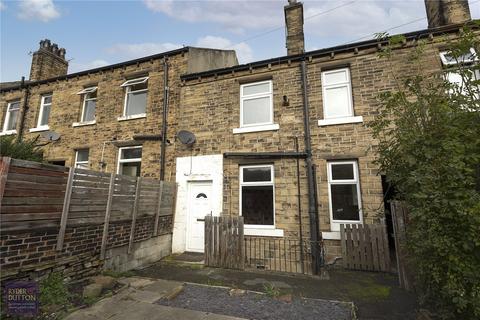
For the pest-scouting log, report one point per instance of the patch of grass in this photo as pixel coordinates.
(215, 282)
(368, 292)
(117, 274)
(270, 290)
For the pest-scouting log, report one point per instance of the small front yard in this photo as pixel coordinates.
(270, 305)
(375, 295)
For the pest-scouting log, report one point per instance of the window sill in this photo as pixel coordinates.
(267, 127)
(38, 129)
(135, 116)
(250, 231)
(8, 132)
(329, 122)
(331, 235)
(85, 123)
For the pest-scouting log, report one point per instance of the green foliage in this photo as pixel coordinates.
(270, 290)
(53, 292)
(26, 149)
(428, 133)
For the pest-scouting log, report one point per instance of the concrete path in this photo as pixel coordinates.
(136, 302)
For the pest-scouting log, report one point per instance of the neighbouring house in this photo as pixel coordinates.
(254, 125)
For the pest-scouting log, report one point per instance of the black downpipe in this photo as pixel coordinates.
(164, 119)
(312, 208)
(26, 95)
(299, 199)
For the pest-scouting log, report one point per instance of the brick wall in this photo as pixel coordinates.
(32, 254)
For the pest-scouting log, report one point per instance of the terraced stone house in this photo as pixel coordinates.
(283, 142)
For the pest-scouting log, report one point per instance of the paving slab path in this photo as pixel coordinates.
(136, 302)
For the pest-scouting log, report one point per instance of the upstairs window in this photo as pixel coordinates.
(257, 196)
(466, 58)
(44, 113)
(81, 159)
(256, 104)
(11, 116)
(454, 63)
(89, 104)
(135, 97)
(130, 161)
(337, 94)
(344, 193)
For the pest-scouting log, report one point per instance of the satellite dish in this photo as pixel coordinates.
(50, 135)
(186, 137)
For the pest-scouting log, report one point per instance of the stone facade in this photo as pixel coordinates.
(211, 109)
(207, 103)
(109, 131)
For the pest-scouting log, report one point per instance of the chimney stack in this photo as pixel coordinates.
(48, 61)
(294, 25)
(444, 12)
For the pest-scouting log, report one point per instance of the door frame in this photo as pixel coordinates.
(191, 183)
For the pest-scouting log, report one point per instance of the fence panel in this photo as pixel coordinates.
(37, 195)
(400, 221)
(365, 247)
(224, 242)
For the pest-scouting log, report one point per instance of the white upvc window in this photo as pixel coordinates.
(337, 98)
(130, 161)
(344, 193)
(449, 59)
(135, 98)
(257, 196)
(89, 104)
(44, 112)
(11, 116)
(81, 158)
(452, 74)
(256, 104)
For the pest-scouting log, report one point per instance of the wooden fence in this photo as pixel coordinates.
(37, 195)
(224, 246)
(400, 221)
(365, 247)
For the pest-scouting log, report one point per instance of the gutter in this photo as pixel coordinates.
(325, 52)
(105, 68)
(265, 155)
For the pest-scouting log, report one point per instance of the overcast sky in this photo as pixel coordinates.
(97, 33)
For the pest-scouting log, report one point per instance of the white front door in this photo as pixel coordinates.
(199, 205)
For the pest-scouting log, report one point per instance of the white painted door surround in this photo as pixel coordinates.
(196, 171)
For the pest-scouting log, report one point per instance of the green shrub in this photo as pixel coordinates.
(25, 149)
(428, 134)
